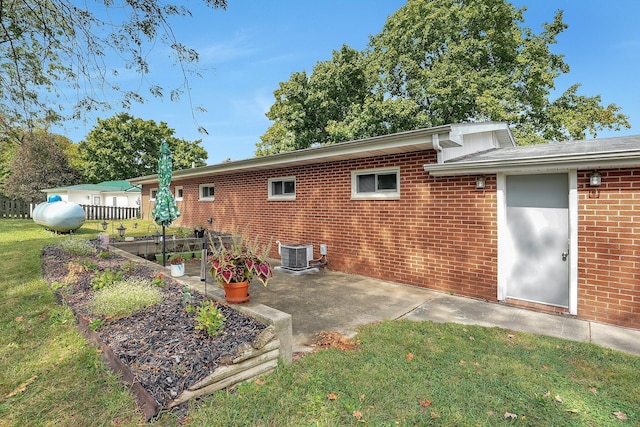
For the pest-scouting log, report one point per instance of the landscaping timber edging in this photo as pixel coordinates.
(251, 364)
(252, 360)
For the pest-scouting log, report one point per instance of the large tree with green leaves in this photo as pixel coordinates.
(40, 162)
(124, 147)
(57, 52)
(437, 62)
(305, 104)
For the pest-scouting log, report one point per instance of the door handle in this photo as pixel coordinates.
(565, 255)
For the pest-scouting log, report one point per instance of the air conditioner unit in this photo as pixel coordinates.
(296, 257)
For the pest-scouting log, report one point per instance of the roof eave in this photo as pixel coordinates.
(415, 140)
(533, 164)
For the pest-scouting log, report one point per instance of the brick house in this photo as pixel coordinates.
(456, 208)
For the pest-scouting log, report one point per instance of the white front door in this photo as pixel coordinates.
(536, 242)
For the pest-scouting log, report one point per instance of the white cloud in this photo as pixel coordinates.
(239, 46)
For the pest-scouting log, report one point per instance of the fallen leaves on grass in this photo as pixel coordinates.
(409, 357)
(22, 387)
(510, 415)
(357, 415)
(620, 415)
(332, 396)
(335, 339)
(424, 403)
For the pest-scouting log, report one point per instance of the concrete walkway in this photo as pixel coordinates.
(333, 301)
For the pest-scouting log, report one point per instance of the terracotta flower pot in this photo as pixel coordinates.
(236, 293)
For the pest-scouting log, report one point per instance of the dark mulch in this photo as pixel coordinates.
(160, 345)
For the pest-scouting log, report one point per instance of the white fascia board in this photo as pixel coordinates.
(421, 139)
(538, 164)
(501, 129)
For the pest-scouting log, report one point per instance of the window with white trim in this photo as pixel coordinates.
(179, 193)
(372, 184)
(207, 192)
(153, 194)
(282, 188)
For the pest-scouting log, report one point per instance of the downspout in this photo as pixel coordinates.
(435, 141)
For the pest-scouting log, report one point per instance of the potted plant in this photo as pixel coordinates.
(177, 265)
(235, 265)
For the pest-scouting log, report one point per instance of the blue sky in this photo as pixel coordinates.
(253, 45)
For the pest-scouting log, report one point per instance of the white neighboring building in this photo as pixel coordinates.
(108, 193)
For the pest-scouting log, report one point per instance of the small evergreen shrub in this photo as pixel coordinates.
(125, 298)
(77, 247)
(104, 254)
(210, 319)
(105, 279)
(89, 265)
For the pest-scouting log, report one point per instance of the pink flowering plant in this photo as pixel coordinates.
(236, 262)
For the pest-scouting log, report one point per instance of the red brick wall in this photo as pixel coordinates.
(609, 245)
(441, 234)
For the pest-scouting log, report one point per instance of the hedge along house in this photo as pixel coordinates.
(456, 208)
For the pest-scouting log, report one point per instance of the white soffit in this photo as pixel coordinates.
(403, 142)
(607, 153)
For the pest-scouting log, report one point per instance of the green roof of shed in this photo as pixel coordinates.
(102, 187)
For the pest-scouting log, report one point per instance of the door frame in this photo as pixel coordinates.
(501, 199)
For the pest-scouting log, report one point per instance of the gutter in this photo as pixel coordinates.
(421, 139)
(541, 164)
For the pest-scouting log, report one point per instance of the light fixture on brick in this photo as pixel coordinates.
(481, 182)
(595, 179)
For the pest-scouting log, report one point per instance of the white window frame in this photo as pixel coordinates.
(179, 190)
(284, 196)
(377, 194)
(153, 193)
(208, 198)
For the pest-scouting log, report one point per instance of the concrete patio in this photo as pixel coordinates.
(334, 301)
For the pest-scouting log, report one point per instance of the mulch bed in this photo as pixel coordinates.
(160, 345)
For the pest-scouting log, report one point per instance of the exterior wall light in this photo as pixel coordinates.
(481, 182)
(595, 179)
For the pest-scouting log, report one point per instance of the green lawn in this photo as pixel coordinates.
(404, 373)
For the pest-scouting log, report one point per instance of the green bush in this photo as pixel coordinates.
(105, 279)
(77, 247)
(125, 298)
(210, 319)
